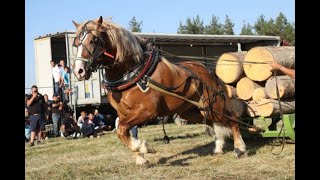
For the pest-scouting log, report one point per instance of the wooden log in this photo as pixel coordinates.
(245, 88)
(252, 109)
(286, 87)
(229, 66)
(259, 93)
(231, 91)
(270, 107)
(239, 107)
(256, 63)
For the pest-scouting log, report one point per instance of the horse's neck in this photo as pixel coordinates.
(118, 70)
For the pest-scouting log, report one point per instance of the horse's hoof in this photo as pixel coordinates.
(141, 162)
(166, 140)
(146, 148)
(240, 154)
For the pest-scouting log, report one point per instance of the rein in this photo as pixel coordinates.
(281, 116)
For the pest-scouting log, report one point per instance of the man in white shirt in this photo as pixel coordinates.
(57, 77)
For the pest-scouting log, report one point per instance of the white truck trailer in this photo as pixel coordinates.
(89, 95)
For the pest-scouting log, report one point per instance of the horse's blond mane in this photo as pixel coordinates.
(170, 65)
(125, 42)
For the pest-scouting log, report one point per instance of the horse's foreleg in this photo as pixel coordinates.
(139, 147)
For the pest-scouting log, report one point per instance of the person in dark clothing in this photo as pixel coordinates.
(70, 126)
(48, 107)
(88, 128)
(98, 124)
(98, 115)
(36, 109)
(56, 114)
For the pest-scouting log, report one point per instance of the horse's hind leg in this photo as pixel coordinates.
(221, 132)
(239, 145)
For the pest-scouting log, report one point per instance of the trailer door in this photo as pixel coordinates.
(43, 56)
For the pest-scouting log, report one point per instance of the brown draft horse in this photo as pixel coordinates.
(125, 58)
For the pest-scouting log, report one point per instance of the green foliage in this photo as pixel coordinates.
(194, 26)
(280, 27)
(214, 26)
(134, 25)
(246, 29)
(272, 27)
(227, 28)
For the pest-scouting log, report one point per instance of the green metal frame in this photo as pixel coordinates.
(288, 129)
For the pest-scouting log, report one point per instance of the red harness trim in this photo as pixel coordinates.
(108, 54)
(124, 86)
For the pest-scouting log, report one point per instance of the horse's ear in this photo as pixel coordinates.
(100, 20)
(76, 24)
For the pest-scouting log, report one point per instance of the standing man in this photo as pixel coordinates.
(56, 114)
(36, 108)
(57, 77)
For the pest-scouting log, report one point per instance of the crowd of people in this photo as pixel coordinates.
(40, 112)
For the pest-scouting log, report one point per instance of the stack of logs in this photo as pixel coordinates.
(251, 84)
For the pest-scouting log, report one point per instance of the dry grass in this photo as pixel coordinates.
(188, 156)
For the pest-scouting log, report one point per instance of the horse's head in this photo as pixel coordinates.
(90, 41)
(104, 43)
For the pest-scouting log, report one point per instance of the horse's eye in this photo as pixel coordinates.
(91, 42)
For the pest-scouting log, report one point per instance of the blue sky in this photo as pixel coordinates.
(48, 16)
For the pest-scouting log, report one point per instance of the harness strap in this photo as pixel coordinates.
(108, 54)
(133, 76)
(156, 86)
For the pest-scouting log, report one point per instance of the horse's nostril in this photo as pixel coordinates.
(80, 71)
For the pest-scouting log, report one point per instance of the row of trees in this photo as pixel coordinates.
(278, 27)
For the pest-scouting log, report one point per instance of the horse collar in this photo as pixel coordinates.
(129, 79)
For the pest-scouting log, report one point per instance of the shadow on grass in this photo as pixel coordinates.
(179, 137)
(253, 144)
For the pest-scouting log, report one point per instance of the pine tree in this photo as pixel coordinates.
(260, 25)
(285, 30)
(214, 26)
(134, 25)
(194, 26)
(246, 29)
(279, 27)
(227, 28)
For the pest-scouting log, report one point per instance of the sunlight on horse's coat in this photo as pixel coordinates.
(188, 79)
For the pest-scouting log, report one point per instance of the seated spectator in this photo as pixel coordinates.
(98, 115)
(70, 126)
(88, 129)
(98, 124)
(81, 118)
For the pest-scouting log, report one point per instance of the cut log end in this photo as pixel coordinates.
(245, 88)
(257, 61)
(270, 107)
(229, 66)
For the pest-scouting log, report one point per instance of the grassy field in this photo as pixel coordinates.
(188, 156)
